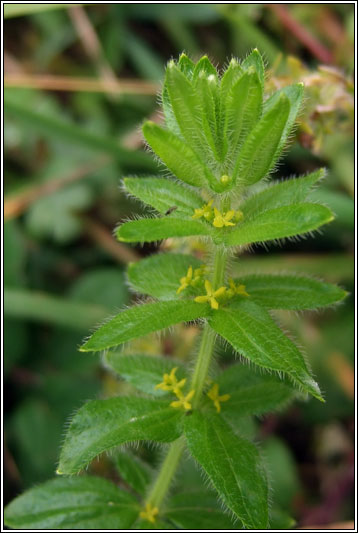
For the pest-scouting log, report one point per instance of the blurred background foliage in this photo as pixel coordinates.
(79, 81)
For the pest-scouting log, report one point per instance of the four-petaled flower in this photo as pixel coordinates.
(149, 513)
(192, 278)
(211, 295)
(214, 396)
(186, 280)
(206, 211)
(184, 401)
(241, 289)
(223, 219)
(171, 383)
(198, 274)
(236, 289)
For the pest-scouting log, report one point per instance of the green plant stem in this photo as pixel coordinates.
(170, 463)
(167, 471)
(202, 363)
(208, 339)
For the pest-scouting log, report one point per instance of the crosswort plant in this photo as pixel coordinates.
(222, 138)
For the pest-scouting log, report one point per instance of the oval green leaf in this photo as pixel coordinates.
(176, 154)
(142, 319)
(233, 465)
(156, 229)
(144, 371)
(252, 392)
(279, 194)
(83, 502)
(253, 333)
(257, 156)
(100, 425)
(164, 195)
(159, 274)
(278, 223)
(291, 292)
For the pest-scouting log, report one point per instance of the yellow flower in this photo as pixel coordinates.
(184, 401)
(206, 211)
(192, 278)
(223, 219)
(198, 274)
(241, 290)
(171, 383)
(214, 396)
(236, 289)
(186, 280)
(211, 295)
(149, 513)
(232, 291)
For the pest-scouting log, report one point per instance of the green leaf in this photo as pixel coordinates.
(197, 510)
(253, 333)
(170, 120)
(204, 65)
(279, 194)
(255, 60)
(164, 194)
(252, 392)
(185, 105)
(43, 307)
(286, 221)
(291, 292)
(133, 471)
(100, 425)
(156, 229)
(186, 66)
(142, 319)
(207, 90)
(233, 465)
(243, 110)
(257, 156)
(159, 274)
(143, 371)
(229, 78)
(178, 156)
(294, 94)
(83, 502)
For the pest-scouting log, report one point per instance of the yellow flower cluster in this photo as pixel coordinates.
(214, 396)
(149, 513)
(171, 383)
(192, 277)
(210, 295)
(222, 293)
(218, 219)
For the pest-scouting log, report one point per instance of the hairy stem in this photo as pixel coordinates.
(166, 473)
(170, 463)
(208, 339)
